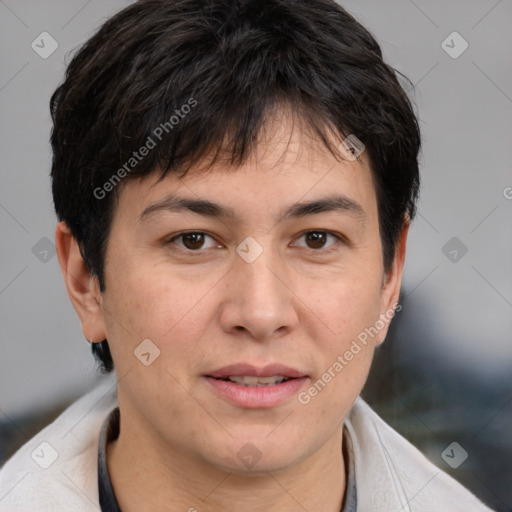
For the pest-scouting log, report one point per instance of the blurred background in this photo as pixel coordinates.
(444, 375)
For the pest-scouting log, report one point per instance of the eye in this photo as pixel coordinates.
(318, 239)
(193, 240)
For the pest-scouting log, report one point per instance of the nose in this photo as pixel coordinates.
(259, 299)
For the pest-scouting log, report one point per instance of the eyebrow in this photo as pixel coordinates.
(207, 208)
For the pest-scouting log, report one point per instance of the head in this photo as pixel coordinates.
(232, 120)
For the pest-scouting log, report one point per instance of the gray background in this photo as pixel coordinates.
(456, 318)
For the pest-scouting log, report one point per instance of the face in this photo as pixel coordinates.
(273, 268)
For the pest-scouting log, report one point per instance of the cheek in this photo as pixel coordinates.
(343, 348)
(155, 306)
(347, 308)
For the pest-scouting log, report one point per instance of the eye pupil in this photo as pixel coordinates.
(193, 240)
(316, 238)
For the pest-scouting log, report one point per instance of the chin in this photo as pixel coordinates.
(258, 456)
(260, 468)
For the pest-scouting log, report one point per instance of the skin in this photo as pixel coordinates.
(298, 304)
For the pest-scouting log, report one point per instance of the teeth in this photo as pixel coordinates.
(258, 381)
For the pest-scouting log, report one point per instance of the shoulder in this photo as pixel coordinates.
(57, 469)
(392, 474)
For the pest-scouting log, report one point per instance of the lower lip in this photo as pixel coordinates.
(256, 396)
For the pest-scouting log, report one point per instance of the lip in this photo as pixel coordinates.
(256, 397)
(240, 369)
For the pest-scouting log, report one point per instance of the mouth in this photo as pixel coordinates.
(256, 387)
(251, 381)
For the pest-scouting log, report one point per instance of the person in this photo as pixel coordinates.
(234, 183)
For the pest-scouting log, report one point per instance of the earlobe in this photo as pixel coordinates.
(392, 284)
(83, 289)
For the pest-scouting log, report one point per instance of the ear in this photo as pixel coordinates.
(392, 283)
(83, 289)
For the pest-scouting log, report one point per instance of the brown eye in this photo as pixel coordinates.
(193, 241)
(316, 239)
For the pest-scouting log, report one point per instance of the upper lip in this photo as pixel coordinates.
(243, 369)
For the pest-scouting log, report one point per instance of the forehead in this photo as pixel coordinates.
(286, 165)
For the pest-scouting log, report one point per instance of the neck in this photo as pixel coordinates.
(149, 476)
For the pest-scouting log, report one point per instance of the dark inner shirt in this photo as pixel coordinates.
(110, 432)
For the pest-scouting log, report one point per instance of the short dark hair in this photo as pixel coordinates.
(207, 73)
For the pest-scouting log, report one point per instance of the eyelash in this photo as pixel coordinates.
(333, 247)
